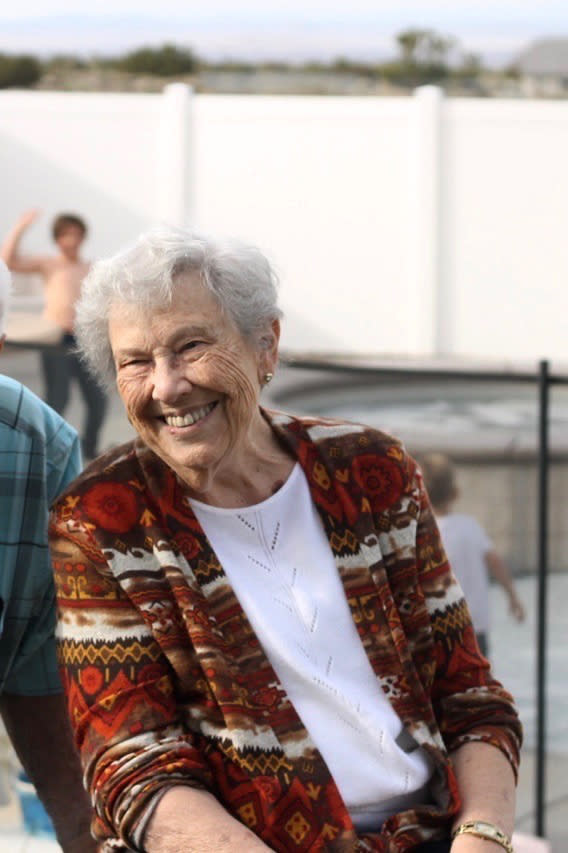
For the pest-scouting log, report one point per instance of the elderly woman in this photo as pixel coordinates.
(263, 645)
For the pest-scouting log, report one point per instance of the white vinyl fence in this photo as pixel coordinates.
(404, 226)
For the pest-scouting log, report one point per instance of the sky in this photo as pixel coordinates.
(292, 30)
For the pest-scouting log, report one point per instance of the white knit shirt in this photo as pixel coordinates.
(280, 565)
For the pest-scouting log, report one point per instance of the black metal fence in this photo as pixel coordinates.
(341, 375)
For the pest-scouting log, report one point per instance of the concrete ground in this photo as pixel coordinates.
(512, 653)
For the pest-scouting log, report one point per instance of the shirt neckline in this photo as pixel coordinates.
(262, 505)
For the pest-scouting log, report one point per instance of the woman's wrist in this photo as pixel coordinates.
(471, 844)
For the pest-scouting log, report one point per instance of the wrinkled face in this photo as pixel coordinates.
(189, 381)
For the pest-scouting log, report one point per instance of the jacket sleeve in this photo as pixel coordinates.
(469, 703)
(121, 697)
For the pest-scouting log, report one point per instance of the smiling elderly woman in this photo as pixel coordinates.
(263, 645)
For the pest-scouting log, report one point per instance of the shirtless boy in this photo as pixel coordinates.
(62, 274)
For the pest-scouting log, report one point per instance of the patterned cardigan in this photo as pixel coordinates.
(168, 685)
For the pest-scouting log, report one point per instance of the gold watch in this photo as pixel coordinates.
(484, 829)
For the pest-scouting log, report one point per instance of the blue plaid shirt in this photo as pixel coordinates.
(39, 456)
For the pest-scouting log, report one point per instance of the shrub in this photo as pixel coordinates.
(166, 61)
(18, 71)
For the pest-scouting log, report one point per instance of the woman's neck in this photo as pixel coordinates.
(252, 472)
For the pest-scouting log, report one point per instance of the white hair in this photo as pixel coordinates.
(5, 290)
(149, 273)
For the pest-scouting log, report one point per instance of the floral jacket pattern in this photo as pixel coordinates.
(168, 685)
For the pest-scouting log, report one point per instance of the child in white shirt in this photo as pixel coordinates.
(470, 551)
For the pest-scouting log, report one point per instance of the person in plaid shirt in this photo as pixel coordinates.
(39, 457)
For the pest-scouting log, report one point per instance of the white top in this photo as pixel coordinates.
(467, 544)
(283, 572)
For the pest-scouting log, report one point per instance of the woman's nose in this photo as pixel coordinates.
(170, 380)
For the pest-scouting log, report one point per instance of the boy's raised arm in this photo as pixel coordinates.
(10, 249)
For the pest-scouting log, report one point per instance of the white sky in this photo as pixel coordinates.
(288, 29)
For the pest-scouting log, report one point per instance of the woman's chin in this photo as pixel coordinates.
(190, 459)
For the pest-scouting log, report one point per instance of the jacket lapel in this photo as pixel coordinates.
(359, 552)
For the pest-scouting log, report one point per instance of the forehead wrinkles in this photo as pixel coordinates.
(142, 329)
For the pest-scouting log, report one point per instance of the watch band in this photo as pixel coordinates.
(484, 829)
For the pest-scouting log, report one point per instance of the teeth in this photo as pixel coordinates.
(190, 418)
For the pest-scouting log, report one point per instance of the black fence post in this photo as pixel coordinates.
(543, 476)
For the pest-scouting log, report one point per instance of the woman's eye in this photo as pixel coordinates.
(133, 362)
(190, 345)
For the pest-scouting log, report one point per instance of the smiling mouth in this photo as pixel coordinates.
(190, 418)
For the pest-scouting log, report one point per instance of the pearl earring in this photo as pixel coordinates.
(268, 377)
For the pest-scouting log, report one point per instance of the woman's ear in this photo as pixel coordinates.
(269, 341)
(274, 341)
